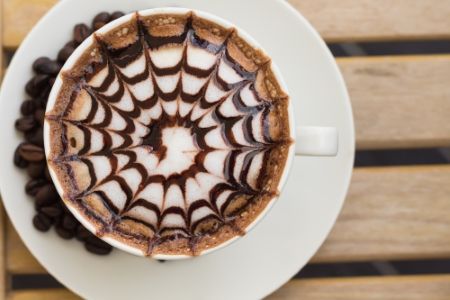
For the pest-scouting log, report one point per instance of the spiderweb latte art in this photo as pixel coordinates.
(170, 134)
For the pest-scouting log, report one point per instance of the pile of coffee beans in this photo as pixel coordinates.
(29, 155)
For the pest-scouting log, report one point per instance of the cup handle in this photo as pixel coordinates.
(316, 141)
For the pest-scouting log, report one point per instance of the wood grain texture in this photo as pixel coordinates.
(369, 20)
(2, 67)
(20, 16)
(399, 101)
(18, 258)
(3, 276)
(435, 287)
(45, 294)
(344, 20)
(392, 213)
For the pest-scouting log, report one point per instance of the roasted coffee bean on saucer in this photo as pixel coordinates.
(44, 65)
(34, 185)
(81, 32)
(100, 20)
(31, 152)
(36, 170)
(52, 211)
(97, 246)
(41, 222)
(28, 107)
(64, 233)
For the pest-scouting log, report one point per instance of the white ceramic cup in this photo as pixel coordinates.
(308, 140)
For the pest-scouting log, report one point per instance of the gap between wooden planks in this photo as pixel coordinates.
(435, 287)
(390, 213)
(430, 287)
(344, 20)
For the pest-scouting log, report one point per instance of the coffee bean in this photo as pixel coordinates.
(41, 102)
(28, 107)
(65, 53)
(52, 211)
(34, 185)
(36, 170)
(31, 152)
(64, 233)
(35, 136)
(100, 20)
(39, 62)
(94, 240)
(39, 116)
(81, 32)
(116, 15)
(36, 86)
(102, 17)
(69, 222)
(71, 43)
(46, 195)
(45, 92)
(43, 65)
(41, 222)
(25, 123)
(40, 81)
(98, 25)
(31, 89)
(52, 68)
(82, 233)
(18, 160)
(97, 250)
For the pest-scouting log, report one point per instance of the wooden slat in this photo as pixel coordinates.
(393, 213)
(390, 213)
(20, 16)
(2, 212)
(435, 287)
(365, 20)
(18, 258)
(1, 42)
(2, 252)
(399, 101)
(47, 294)
(345, 20)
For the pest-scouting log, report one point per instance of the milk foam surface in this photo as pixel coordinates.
(175, 140)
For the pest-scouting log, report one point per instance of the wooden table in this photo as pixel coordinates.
(391, 213)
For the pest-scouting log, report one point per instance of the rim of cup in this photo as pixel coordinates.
(88, 42)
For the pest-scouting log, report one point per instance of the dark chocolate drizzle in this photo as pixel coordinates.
(238, 188)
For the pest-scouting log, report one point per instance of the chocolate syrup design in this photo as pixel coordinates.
(168, 138)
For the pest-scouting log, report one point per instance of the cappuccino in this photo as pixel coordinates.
(169, 133)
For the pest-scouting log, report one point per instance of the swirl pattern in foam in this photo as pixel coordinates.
(170, 134)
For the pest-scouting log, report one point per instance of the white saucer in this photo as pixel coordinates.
(279, 246)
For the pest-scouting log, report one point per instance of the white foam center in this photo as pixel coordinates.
(180, 153)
